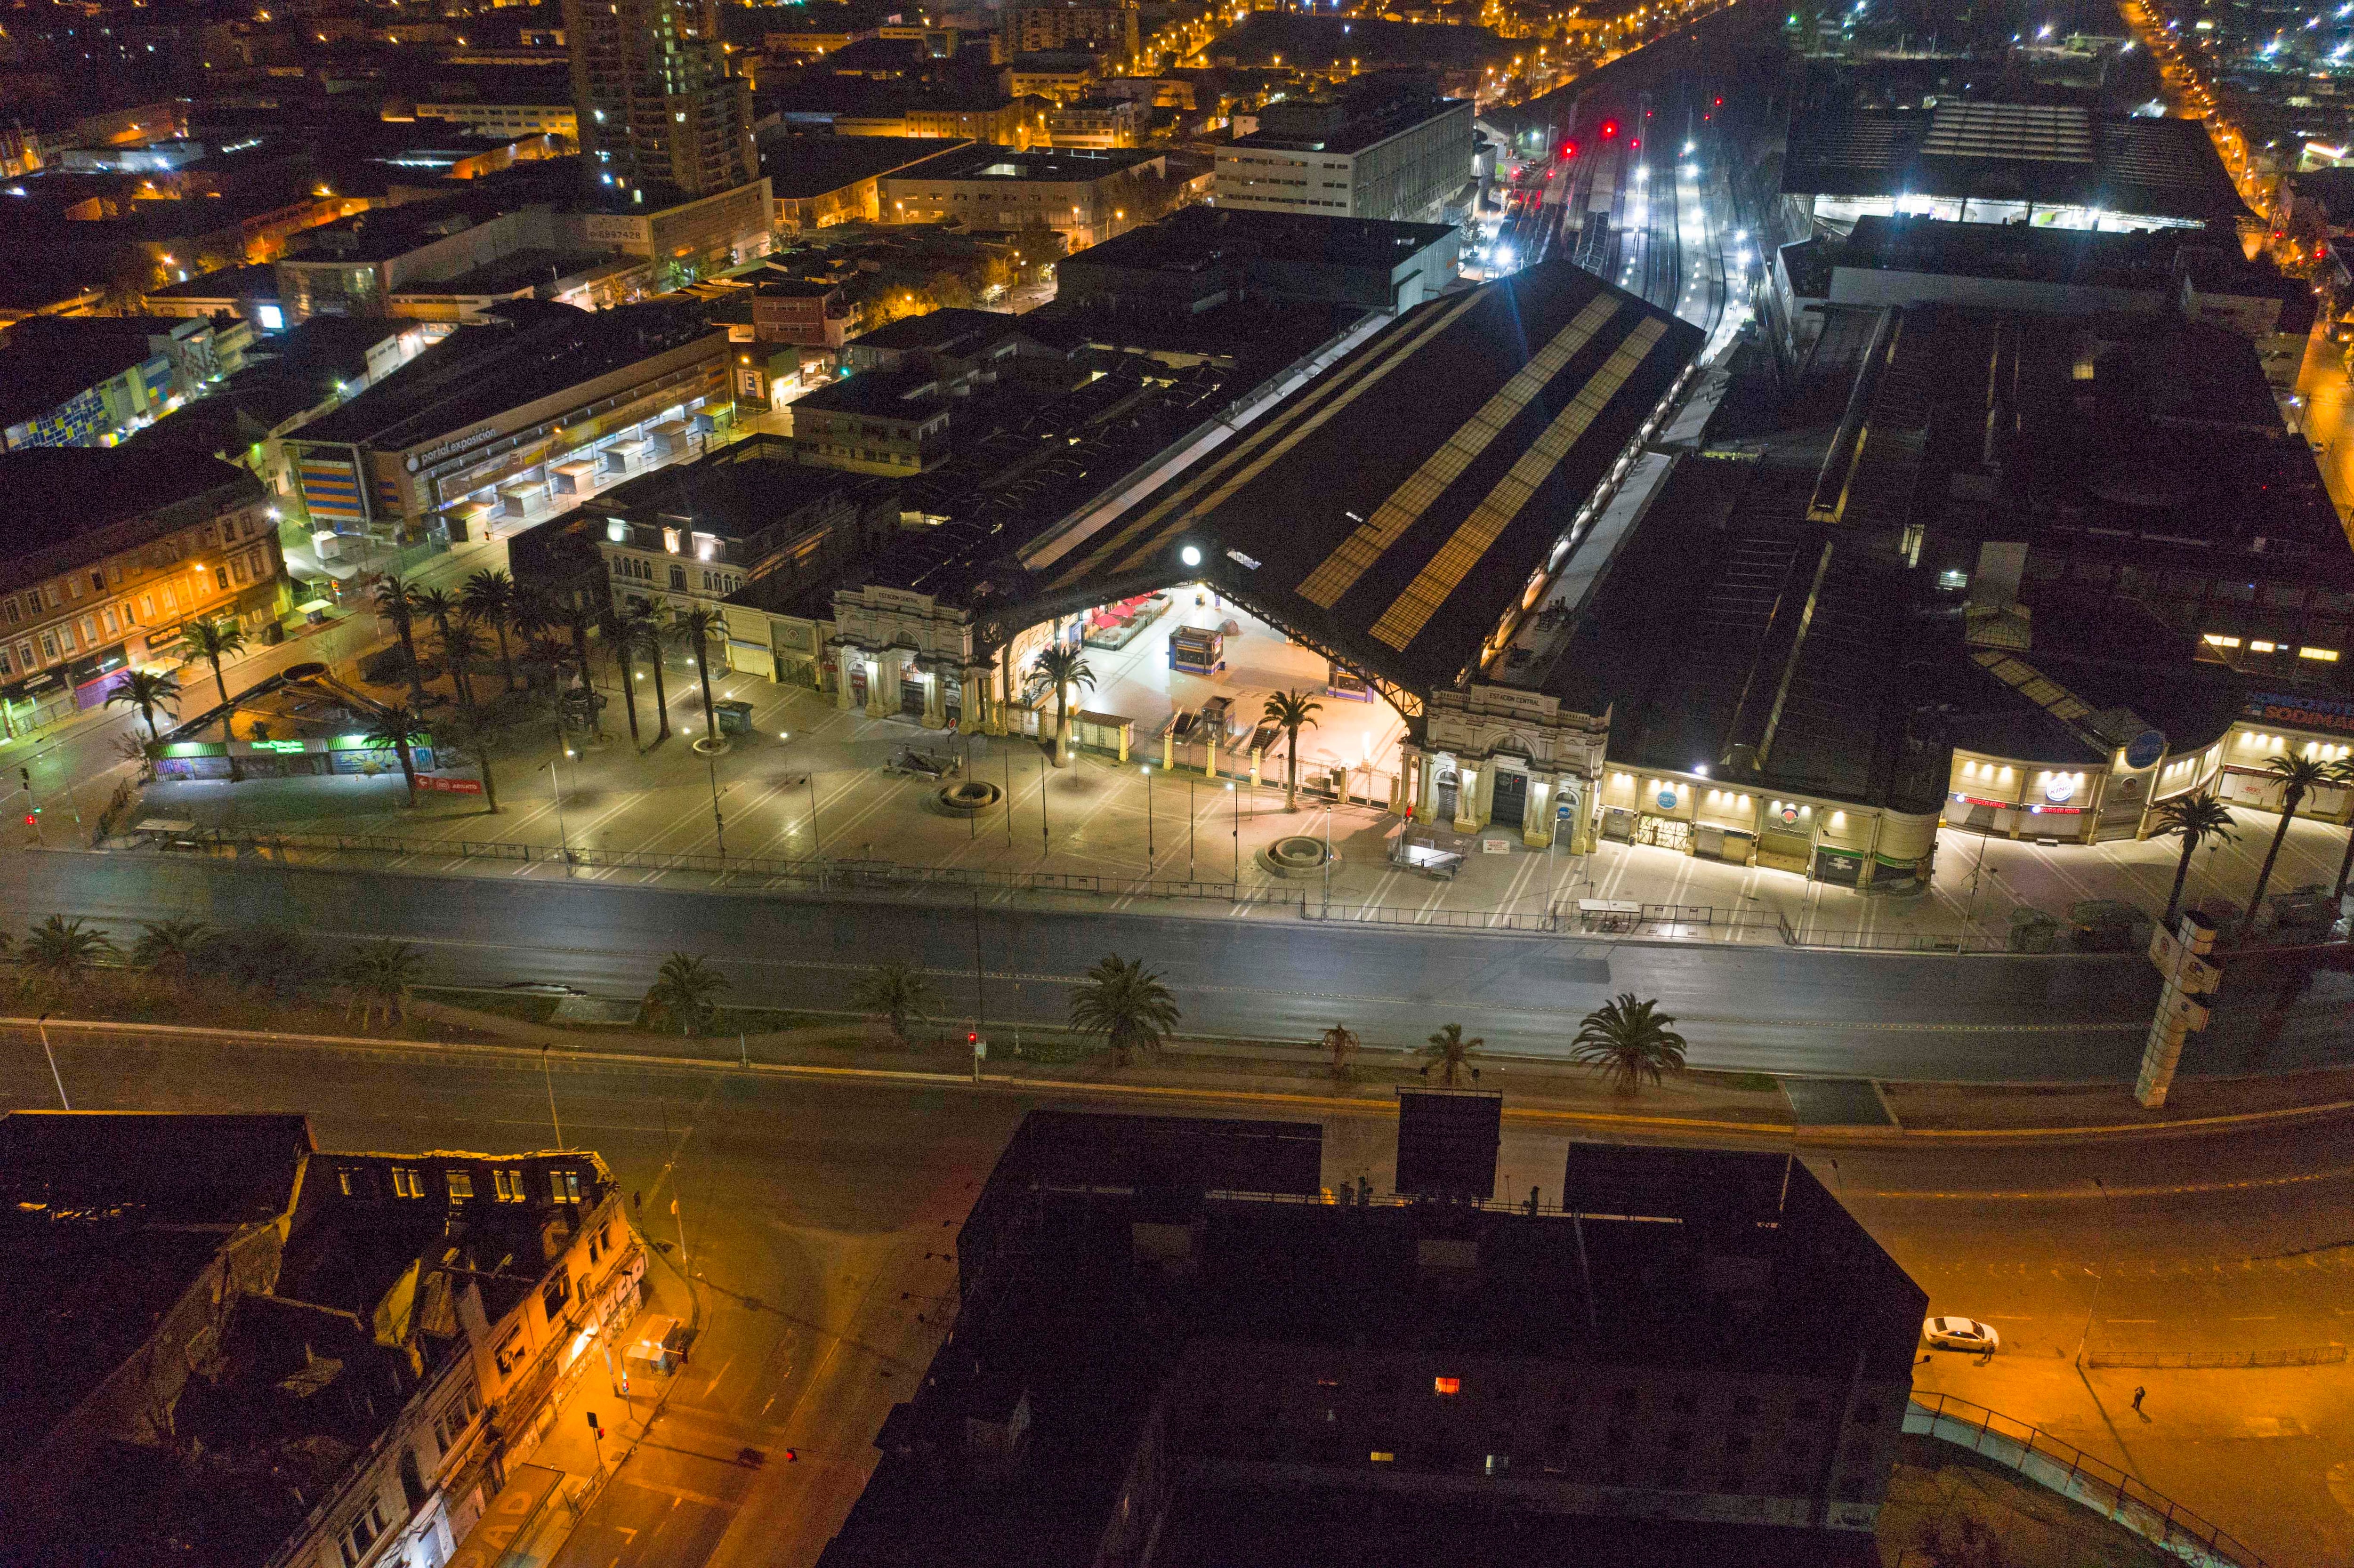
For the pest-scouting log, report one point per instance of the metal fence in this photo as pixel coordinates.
(2181, 1361)
(2067, 1469)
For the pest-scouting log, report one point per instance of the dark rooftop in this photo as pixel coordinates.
(45, 360)
(259, 280)
(981, 161)
(62, 494)
(803, 166)
(736, 492)
(1197, 237)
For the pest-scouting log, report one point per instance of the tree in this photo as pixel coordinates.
(172, 950)
(441, 605)
(1062, 667)
(489, 600)
(58, 954)
(2345, 780)
(378, 976)
(147, 689)
(2193, 818)
(211, 642)
(1341, 1043)
(460, 646)
(2298, 777)
(897, 990)
(683, 992)
(471, 734)
(696, 629)
(399, 728)
(1126, 1004)
(572, 611)
(641, 629)
(392, 602)
(613, 624)
(1450, 1053)
(1627, 1041)
(1288, 711)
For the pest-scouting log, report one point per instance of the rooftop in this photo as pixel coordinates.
(800, 167)
(63, 493)
(980, 161)
(738, 491)
(257, 281)
(1196, 237)
(45, 360)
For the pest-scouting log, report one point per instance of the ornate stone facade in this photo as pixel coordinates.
(1493, 753)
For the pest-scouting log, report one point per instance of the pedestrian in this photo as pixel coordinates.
(637, 1202)
(2138, 1392)
(1364, 1191)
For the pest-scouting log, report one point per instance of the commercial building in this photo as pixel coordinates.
(242, 1349)
(89, 381)
(134, 544)
(549, 114)
(818, 181)
(1394, 150)
(1098, 122)
(366, 264)
(1200, 257)
(659, 111)
(2046, 165)
(513, 416)
(681, 239)
(799, 314)
(1393, 1378)
(1085, 197)
(1028, 28)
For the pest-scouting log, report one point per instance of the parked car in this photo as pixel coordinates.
(543, 987)
(1961, 1334)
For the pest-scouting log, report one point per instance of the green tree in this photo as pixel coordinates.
(460, 646)
(1288, 711)
(2297, 777)
(171, 951)
(1627, 1042)
(377, 978)
(147, 689)
(572, 611)
(613, 626)
(1450, 1053)
(399, 728)
(1341, 1044)
(696, 629)
(58, 954)
(210, 641)
(1062, 667)
(471, 735)
(441, 607)
(683, 993)
(896, 989)
(489, 600)
(1124, 1003)
(392, 602)
(2343, 770)
(2193, 818)
(642, 631)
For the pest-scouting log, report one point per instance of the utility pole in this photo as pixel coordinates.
(42, 1023)
(2107, 1252)
(685, 1263)
(549, 1078)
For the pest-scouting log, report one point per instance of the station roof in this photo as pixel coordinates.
(2052, 155)
(1391, 508)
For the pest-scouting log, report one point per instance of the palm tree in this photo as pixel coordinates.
(1450, 1053)
(399, 728)
(471, 734)
(1628, 1041)
(147, 689)
(1288, 711)
(2298, 777)
(392, 602)
(641, 633)
(697, 629)
(682, 992)
(613, 625)
(2193, 818)
(2345, 780)
(379, 976)
(1126, 1003)
(1062, 667)
(572, 612)
(58, 954)
(170, 951)
(441, 607)
(897, 990)
(554, 654)
(1340, 1043)
(489, 600)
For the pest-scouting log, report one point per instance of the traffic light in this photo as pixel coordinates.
(1609, 128)
(28, 818)
(1635, 141)
(1568, 150)
(1720, 103)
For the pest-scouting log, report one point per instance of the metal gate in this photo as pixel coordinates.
(1512, 800)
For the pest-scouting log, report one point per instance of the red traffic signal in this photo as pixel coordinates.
(1569, 149)
(1635, 141)
(28, 818)
(1610, 127)
(1720, 103)
(972, 1039)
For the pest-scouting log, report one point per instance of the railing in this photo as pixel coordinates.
(2180, 1361)
(2067, 1469)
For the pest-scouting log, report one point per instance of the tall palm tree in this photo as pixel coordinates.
(378, 977)
(1628, 1041)
(459, 647)
(171, 950)
(399, 728)
(2344, 768)
(489, 600)
(1288, 711)
(1126, 1003)
(392, 602)
(696, 629)
(1450, 1053)
(147, 689)
(897, 990)
(58, 954)
(472, 733)
(683, 992)
(613, 626)
(211, 642)
(1341, 1043)
(642, 631)
(440, 606)
(1063, 667)
(2298, 777)
(572, 610)
(2193, 818)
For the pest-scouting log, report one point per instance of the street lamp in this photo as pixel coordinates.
(1150, 856)
(1238, 839)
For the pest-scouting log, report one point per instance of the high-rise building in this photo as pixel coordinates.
(657, 104)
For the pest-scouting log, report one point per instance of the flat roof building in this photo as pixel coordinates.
(1086, 197)
(1383, 149)
(1199, 257)
(820, 181)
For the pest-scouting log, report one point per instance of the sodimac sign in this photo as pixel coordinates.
(2301, 713)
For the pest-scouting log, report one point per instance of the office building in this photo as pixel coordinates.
(658, 108)
(1200, 257)
(1028, 27)
(1383, 148)
(1086, 197)
(88, 381)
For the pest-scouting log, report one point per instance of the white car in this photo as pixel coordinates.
(1961, 1334)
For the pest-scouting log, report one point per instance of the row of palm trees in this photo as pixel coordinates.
(59, 958)
(2198, 820)
(1062, 669)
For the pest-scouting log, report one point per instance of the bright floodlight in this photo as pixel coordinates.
(1191, 554)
